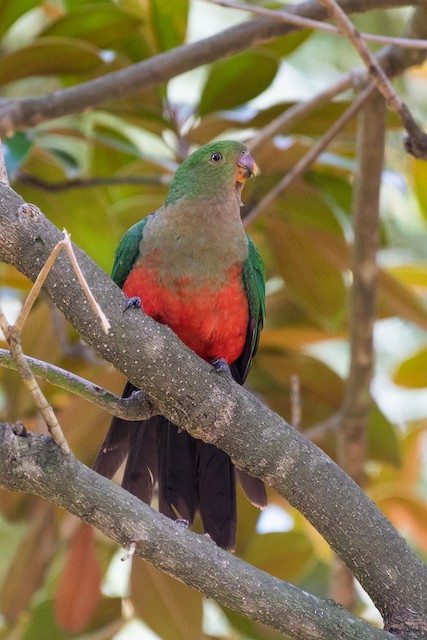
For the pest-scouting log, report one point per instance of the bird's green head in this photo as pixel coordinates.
(215, 169)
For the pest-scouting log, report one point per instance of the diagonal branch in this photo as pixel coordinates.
(310, 157)
(187, 556)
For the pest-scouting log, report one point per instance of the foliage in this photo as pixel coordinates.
(305, 239)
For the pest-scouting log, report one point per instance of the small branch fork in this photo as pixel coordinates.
(416, 141)
(35, 290)
(308, 23)
(13, 338)
(136, 407)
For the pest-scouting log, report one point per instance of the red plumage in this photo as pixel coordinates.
(211, 321)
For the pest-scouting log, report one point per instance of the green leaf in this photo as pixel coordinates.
(303, 258)
(285, 555)
(419, 178)
(287, 44)
(169, 22)
(49, 56)
(43, 624)
(101, 24)
(412, 372)
(11, 10)
(168, 607)
(237, 80)
(15, 150)
(383, 441)
(397, 299)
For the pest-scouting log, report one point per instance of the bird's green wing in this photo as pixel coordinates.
(127, 252)
(254, 283)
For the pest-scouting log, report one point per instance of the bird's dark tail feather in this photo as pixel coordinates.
(192, 475)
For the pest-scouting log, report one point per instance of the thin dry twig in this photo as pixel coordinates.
(35, 290)
(308, 23)
(135, 407)
(299, 111)
(13, 338)
(305, 163)
(296, 406)
(416, 143)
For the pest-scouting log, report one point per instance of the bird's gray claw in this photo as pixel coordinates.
(133, 303)
(182, 522)
(220, 365)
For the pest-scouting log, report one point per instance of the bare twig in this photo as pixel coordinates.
(308, 23)
(35, 290)
(12, 337)
(342, 586)
(296, 407)
(289, 118)
(305, 163)
(318, 431)
(136, 407)
(417, 141)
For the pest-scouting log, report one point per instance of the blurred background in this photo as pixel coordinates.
(96, 174)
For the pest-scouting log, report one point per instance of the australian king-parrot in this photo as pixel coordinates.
(194, 268)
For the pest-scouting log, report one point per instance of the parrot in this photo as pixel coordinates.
(191, 265)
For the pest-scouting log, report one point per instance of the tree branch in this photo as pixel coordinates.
(28, 112)
(357, 404)
(29, 462)
(416, 143)
(310, 157)
(190, 393)
(136, 407)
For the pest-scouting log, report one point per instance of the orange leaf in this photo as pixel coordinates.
(79, 586)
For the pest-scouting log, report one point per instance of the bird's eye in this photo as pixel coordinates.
(216, 157)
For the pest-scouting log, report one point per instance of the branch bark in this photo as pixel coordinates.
(32, 463)
(191, 393)
(357, 404)
(28, 112)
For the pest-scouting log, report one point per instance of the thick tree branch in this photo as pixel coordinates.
(31, 463)
(28, 112)
(190, 392)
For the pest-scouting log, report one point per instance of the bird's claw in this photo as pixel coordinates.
(133, 303)
(220, 365)
(182, 522)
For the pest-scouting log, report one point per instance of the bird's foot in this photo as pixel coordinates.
(182, 522)
(133, 303)
(220, 365)
(130, 553)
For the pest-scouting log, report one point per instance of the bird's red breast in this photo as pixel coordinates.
(211, 321)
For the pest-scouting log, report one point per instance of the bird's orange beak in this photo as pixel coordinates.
(246, 168)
